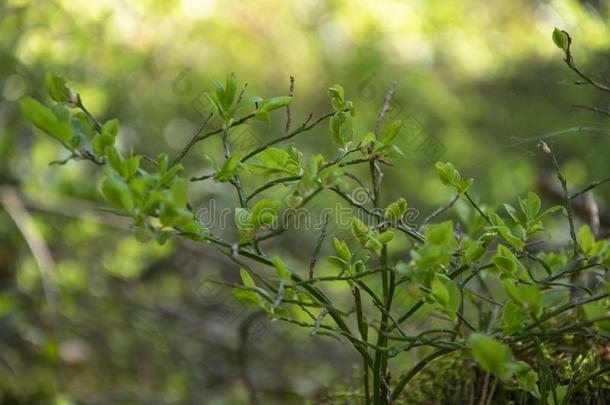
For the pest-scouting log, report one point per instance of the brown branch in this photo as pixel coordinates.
(40, 251)
(291, 94)
(592, 108)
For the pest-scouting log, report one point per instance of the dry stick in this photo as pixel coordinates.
(241, 94)
(291, 94)
(318, 247)
(567, 201)
(35, 241)
(385, 107)
(374, 169)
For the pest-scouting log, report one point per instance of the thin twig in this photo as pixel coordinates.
(40, 251)
(291, 94)
(316, 251)
(193, 140)
(385, 107)
(306, 126)
(592, 108)
(567, 202)
(440, 210)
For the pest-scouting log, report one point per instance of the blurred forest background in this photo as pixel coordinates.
(88, 315)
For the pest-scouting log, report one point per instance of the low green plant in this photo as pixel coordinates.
(491, 299)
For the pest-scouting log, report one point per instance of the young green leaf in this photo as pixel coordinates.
(341, 128)
(281, 270)
(275, 102)
(45, 120)
(58, 90)
(493, 356)
(561, 39)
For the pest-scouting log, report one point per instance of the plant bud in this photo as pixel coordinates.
(545, 148)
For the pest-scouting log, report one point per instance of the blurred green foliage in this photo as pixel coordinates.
(475, 77)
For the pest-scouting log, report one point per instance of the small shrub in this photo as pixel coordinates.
(503, 313)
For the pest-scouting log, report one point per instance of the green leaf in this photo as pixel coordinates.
(341, 128)
(528, 296)
(385, 237)
(229, 169)
(391, 132)
(506, 261)
(449, 176)
(111, 127)
(262, 116)
(447, 173)
(359, 228)
(527, 378)
(561, 39)
(131, 166)
(530, 206)
(493, 356)
(396, 210)
(281, 269)
(586, 240)
(439, 291)
(116, 161)
(275, 102)
(368, 139)
(57, 89)
(179, 193)
(513, 318)
(264, 212)
(474, 250)
(117, 193)
(45, 120)
(593, 311)
(230, 90)
(274, 160)
(342, 250)
(336, 91)
(512, 212)
(248, 296)
(561, 391)
(100, 144)
(246, 278)
(243, 224)
(440, 234)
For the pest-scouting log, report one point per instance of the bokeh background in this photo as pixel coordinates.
(88, 315)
